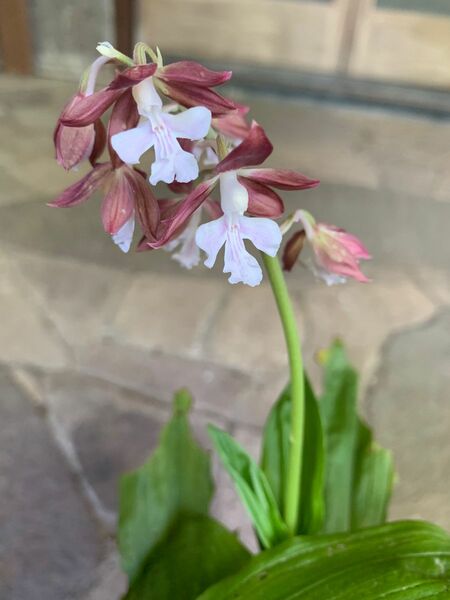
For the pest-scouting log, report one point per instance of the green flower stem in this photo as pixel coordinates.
(286, 311)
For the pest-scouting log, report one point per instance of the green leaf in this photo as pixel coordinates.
(373, 481)
(359, 473)
(252, 487)
(275, 454)
(340, 423)
(196, 552)
(400, 561)
(176, 479)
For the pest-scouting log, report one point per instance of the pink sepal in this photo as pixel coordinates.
(73, 144)
(233, 124)
(170, 227)
(192, 95)
(147, 209)
(180, 188)
(118, 203)
(351, 242)
(82, 190)
(124, 115)
(89, 108)
(253, 150)
(283, 179)
(142, 245)
(132, 76)
(262, 201)
(339, 252)
(99, 143)
(192, 73)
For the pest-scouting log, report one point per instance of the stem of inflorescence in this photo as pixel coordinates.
(286, 311)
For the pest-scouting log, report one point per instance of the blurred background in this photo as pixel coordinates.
(93, 342)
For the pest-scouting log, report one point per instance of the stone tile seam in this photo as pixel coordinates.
(379, 367)
(105, 518)
(38, 302)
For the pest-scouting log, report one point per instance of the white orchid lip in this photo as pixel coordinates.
(232, 229)
(161, 130)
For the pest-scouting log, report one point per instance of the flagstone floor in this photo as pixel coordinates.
(93, 343)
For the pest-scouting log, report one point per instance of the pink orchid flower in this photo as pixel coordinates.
(244, 191)
(161, 130)
(126, 193)
(337, 253)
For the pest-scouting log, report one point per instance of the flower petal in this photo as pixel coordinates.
(99, 143)
(192, 124)
(132, 76)
(73, 144)
(186, 167)
(89, 108)
(292, 249)
(124, 236)
(265, 234)
(146, 205)
(262, 201)
(193, 73)
(188, 255)
(210, 238)
(130, 145)
(253, 150)
(124, 116)
(242, 266)
(233, 124)
(283, 179)
(170, 226)
(190, 95)
(82, 190)
(118, 203)
(163, 169)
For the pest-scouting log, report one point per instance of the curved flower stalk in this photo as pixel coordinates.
(336, 253)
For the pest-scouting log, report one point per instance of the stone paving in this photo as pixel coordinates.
(94, 343)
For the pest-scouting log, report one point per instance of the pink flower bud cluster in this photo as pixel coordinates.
(201, 144)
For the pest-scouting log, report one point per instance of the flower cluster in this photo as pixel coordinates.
(201, 144)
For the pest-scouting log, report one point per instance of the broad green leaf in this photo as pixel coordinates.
(359, 473)
(196, 552)
(252, 487)
(373, 481)
(176, 479)
(340, 424)
(275, 454)
(398, 561)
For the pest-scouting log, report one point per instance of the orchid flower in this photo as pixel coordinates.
(337, 253)
(161, 130)
(243, 190)
(186, 82)
(232, 229)
(126, 192)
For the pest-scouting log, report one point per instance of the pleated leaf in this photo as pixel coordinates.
(275, 453)
(175, 480)
(195, 553)
(359, 474)
(399, 561)
(253, 488)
